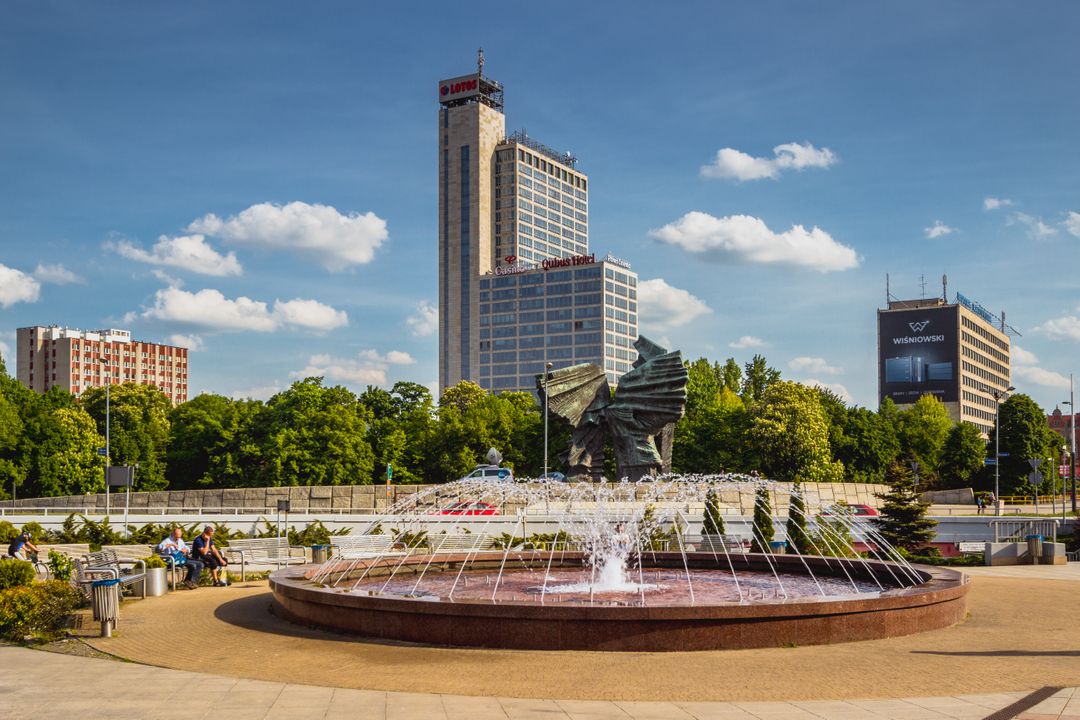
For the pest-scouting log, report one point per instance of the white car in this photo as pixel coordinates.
(490, 472)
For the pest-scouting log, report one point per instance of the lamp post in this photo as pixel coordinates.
(547, 376)
(1072, 443)
(998, 394)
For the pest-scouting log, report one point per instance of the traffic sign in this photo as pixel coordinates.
(1035, 477)
(102, 452)
(1035, 463)
(989, 461)
(1003, 454)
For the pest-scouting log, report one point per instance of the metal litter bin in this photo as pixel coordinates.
(778, 547)
(1034, 543)
(320, 554)
(106, 599)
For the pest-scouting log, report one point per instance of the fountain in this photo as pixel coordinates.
(619, 566)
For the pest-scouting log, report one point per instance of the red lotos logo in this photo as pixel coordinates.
(511, 259)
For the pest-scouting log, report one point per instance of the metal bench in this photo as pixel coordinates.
(716, 543)
(458, 542)
(140, 552)
(264, 551)
(359, 547)
(105, 564)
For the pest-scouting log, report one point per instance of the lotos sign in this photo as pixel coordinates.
(459, 87)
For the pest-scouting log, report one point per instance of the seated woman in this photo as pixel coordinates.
(205, 551)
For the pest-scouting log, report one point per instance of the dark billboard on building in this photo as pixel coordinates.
(917, 354)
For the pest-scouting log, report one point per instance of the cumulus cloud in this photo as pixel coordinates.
(993, 203)
(334, 240)
(815, 365)
(209, 309)
(732, 164)
(424, 321)
(662, 307)
(1066, 327)
(837, 388)
(4, 352)
(743, 238)
(185, 252)
(56, 275)
(1072, 223)
(1025, 367)
(1035, 228)
(16, 286)
(193, 343)
(260, 392)
(367, 368)
(938, 229)
(747, 342)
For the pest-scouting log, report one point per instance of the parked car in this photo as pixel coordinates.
(857, 510)
(553, 475)
(490, 472)
(470, 508)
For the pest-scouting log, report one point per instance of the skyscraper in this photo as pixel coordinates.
(510, 210)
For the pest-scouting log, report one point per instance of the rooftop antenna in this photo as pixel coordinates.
(480, 62)
(945, 288)
(922, 284)
(888, 295)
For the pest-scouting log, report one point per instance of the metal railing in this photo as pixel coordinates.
(1017, 530)
(165, 511)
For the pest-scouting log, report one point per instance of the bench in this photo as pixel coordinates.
(264, 551)
(724, 544)
(71, 550)
(141, 552)
(105, 564)
(458, 542)
(1073, 556)
(359, 547)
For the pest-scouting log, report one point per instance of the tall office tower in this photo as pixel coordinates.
(957, 352)
(76, 360)
(514, 208)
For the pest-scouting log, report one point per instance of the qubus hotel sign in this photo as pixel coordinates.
(917, 354)
(514, 265)
(459, 87)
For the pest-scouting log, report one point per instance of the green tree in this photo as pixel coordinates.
(757, 378)
(903, 522)
(796, 523)
(1025, 435)
(732, 375)
(922, 433)
(712, 436)
(763, 522)
(210, 443)
(713, 521)
(138, 429)
(963, 456)
(869, 445)
(789, 433)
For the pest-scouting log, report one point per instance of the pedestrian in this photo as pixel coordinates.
(176, 552)
(205, 551)
(979, 504)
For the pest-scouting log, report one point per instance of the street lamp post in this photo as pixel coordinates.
(547, 376)
(1072, 443)
(998, 394)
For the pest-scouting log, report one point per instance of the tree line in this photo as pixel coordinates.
(738, 419)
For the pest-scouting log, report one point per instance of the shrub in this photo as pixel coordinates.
(14, 573)
(60, 566)
(37, 610)
(154, 561)
(8, 532)
(713, 524)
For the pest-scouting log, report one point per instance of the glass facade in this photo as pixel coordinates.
(565, 316)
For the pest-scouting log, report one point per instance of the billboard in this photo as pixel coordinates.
(459, 88)
(917, 354)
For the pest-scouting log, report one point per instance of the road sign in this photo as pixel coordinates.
(1035, 463)
(1035, 477)
(1003, 454)
(1063, 471)
(102, 452)
(989, 461)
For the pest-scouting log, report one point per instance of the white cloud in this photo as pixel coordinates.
(56, 275)
(992, 203)
(1020, 356)
(194, 343)
(424, 321)
(742, 238)
(186, 252)
(210, 310)
(333, 240)
(16, 286)
(1036, 228)
(748, 341)
(938, 229)
(835, 387)
(1041, 376)
(367, 368)
(732, 164)
(662, 307)
(1072, 223)
(261, 392)
(167, 278)
(815, 365)
(1066, 327)
(4, 353)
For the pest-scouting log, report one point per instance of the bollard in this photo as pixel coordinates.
(106, 599)
(1034, 543)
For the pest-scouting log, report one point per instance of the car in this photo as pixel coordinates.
(553, 475)
(490, 472)
(857, 510)
(466, 507)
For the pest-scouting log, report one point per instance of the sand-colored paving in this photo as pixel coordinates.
(1022, 633)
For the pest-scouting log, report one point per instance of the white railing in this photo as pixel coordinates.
(165, 511)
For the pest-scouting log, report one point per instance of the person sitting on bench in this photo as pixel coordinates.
(204, 550)
(176, 551)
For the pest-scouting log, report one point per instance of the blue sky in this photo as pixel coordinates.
(260, 178)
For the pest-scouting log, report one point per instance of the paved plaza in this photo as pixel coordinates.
(218, 652)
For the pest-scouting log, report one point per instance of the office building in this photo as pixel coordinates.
(48, 357)
(958, 352)
(514, 289)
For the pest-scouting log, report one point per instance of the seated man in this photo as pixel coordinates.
(204, 550)
(22, 548)
(176, 551)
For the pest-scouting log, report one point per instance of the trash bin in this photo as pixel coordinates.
(320, 553)
(778, 547)
(156, 581)
(106, 599)
(1034, 543)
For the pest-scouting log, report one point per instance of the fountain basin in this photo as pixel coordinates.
(529, 623)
